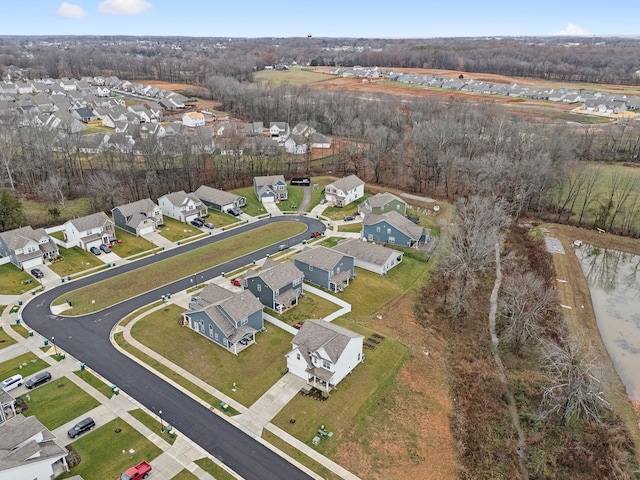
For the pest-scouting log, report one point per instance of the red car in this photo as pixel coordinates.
(236, 281)
(315, 234)
(298, 325)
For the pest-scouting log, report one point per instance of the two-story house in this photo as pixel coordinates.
(90, 231)
(193, 119)
(219, 199)
(326, 268)
(230, 319)
(277, 285)
(139, 218)
(272, 188)
(26, 247)
(279, 130)
(370, 256)
(383, 203)
(182, 206)
(394, 229)
(344, 191)
(323, 354)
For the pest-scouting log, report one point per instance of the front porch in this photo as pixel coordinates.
(338, 282)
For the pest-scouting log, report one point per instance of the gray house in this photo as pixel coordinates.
(326, 268)
(227, 318)
(383, 203)
(277, 285)
(139, 218)
(370, 256)
(219, 199)
(271, 188)
(393, 228)
(26, 247)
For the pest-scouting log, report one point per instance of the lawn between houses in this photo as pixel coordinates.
(13, 280)
(74, 260)
(122, 287)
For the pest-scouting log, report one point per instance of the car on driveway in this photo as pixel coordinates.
(105, 248)
(95, 250)
(81, 427)
(209, 225)
(37, 379)
(235, 211)
(236, 281)
(349, 218)
(197, 222)
(36, 272)
(323, 201)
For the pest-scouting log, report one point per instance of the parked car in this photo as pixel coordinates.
(197, 222)
(349, 218)
(105, 248)
(283, 247)
(236, 281)
(81, 427)
(36, 272)
(11, 383)
(315, 234)
(298, 325)
(95, 250)
(37, 379)
(136, 473)
(323, 201)
(209, 225)
(235, 211)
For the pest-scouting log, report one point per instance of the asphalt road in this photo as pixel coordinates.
(87, 339)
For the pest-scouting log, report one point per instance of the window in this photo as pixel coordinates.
(311, 268)
(388, 230)
(297, 356)
(211, 331)
(392, 239)
(259, 287)
(358, 357)
(296, 281)
(277, 292)
(244, 321)
(216, 336)
(378, 229)
(326, 364)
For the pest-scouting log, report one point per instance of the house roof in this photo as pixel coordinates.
(213, 195)
(26, 440)
(141, 206)
(181, 198)
(94, 220)
(347, 183)
(365, 251)
(317, 334)
(237, 305)
(269, 180)
(397, 221)
(20, 237)
(381, 199)
(320, 257)
(277, 276)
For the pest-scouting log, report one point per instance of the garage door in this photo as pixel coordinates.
(268, 198)
(145, 230)
(34, 262)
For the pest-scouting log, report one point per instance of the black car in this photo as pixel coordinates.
(235, 211)
(197, 222)
(38, 379)
(95, 250)
(349, 218)
(209, 225)
(36, 272)
(81, 427)
(105, 248)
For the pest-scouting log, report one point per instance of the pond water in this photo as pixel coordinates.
(614, 281)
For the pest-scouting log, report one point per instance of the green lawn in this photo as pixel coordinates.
(58, 402)
(317, 194)
(330, 242)
(5, 338)
(253, 206)
(185, 475)
(101, 451)
(214, 469)
(221, 219)
(117, 289)
(174, 231)
(12, 280)
(335, 213)
(294, 76)
(153, 424)
(254, 370)
(309, 306)
(20, 330)
(58, 235)
(351, 227)
(37, 212)
(131, 245)
(295, 194)
(95, 382)
(25, 365)
(126, 320)
(75, 260)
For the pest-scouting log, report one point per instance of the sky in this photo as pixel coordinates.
(321, 18)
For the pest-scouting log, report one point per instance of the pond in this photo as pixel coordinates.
(614, 282)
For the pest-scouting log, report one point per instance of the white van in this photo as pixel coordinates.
(11, 383)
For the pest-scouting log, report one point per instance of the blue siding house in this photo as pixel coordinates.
(269, 189)
(227, 318)
(393, 229)
(326, 268)
(277, 285)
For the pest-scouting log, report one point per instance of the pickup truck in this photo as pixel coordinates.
(136, 473)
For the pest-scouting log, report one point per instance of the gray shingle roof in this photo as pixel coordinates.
(236, 305)
(399, 222)
(145, 205)
(365, 251)
(316, 334)
(18, 238)
(213, 195)
(381, 199)
(347, 183)
(279, 275)
(269, 180)
(320, 257)
(181, 198)
(94, 220)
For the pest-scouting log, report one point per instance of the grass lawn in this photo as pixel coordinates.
(58, 235)
(2, 307)
(317, 194)
(335, 213)
(25, 365)
(330, 242)
(352, 403)
(309, 306)
(75, 260)
(5, 338)
(152, 424)
(37, 212)
(254, 370)
(185, 475)
(12, 280)
(294, 76)
(126, 320)
(351, 227)
(95, 382)
(174, 231)
(221, 219)
(117, 289)
(58, 402)
(295, 194)
(101, 451)
(253, 206)
(214, 469)
(131, 245)
(20, 330)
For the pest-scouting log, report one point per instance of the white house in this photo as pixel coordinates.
(370, 256)
(29, 450)
(279, 129)
(90, 231)
(193, 119)
(182, 206)
(296, 144)
(324, 353)
(344, 191)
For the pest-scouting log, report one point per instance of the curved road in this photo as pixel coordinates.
(87, 339)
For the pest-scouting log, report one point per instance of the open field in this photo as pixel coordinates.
(37, 212)
(294, 76)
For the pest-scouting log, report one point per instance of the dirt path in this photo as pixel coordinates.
(515, 418)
